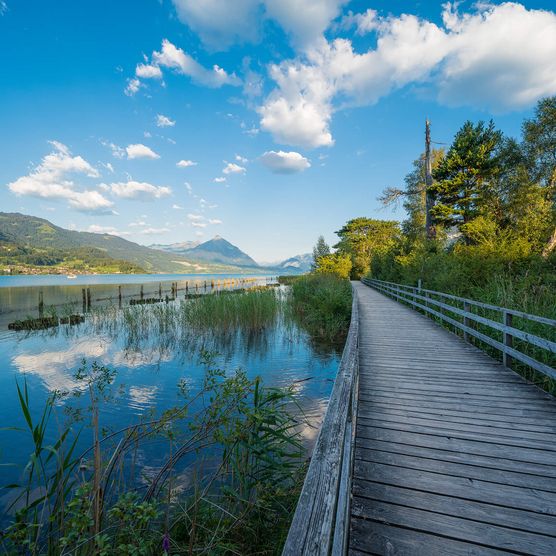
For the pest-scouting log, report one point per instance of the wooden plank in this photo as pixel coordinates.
(466, 530)
(539, 501)
(548, 440)
(446, 442)
(511, 412)
(458, 456)
(447, 416)
(312, 528)
(370, 537)
(464, 470)
(515, 442)
(365, 493)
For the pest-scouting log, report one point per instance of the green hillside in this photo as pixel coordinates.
(28, 241)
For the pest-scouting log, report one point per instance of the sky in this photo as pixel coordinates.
(267, 122)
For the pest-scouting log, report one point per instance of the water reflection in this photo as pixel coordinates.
(152, 351)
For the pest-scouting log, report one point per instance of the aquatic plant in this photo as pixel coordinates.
(246, 476)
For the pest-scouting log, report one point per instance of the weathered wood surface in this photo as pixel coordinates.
(322, 517)
(454, 454)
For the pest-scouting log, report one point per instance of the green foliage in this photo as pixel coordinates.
(321, 249)
(465, 174)
(337, 264)
(322, 303)
(363, 238)
(244, 506)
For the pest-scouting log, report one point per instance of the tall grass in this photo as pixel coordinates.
(322, 304)
(245, 483)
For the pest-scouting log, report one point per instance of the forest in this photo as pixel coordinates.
(491, 227)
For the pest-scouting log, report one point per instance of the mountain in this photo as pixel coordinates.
(23, 236)
(216, 250)
(175, 247)
(294, 265)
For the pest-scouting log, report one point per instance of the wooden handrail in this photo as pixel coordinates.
(321, 520)
(420, 298)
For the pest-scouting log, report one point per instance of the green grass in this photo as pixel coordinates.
(322, 305)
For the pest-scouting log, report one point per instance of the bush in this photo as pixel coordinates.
(322, 302)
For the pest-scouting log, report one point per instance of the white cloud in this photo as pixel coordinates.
(241, 159)
(154, 231)
(148, 71)
(364, 23)
(132, 87)
(199, 224)
(51, 180)
(175, 58)
(96, 229)
(140, 151)
(195, 217)
(137, 223)
(140, 191)
(117, 151)
(285, 162)
(221, 24)
(177, 207)
(499, 57)
(221, 179)
(215, 221)
(232, 168)
(199, 234)
(164, 121)
(185, 163)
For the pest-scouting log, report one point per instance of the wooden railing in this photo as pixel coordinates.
(512, 340)
(321, 521)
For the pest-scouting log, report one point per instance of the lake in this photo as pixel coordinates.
(150, 360)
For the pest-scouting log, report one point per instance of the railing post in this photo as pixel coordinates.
(466, 320)
(508, 340)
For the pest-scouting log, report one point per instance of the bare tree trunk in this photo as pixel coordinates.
(550, 246)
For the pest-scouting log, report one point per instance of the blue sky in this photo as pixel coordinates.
(288, 116)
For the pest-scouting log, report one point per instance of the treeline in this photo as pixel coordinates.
(78, 258)
(492, 220)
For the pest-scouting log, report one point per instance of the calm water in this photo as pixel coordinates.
(149, 368)
(20, 295)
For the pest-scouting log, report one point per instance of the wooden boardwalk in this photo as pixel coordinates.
(454, 453)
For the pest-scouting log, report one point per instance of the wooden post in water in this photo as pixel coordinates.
(508, 340)
(120, 296)
(141, 293)
(160, 290)
(88, 299)
(84, 299)
(41, 304)
(186, 288)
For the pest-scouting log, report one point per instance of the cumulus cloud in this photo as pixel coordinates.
(220, 179)
(177, 207)
(195, 217)
(148, 71)
(175, 58)
(132, 87)
(51, 179)
(96, 229)
(185, 163)
(232, 168)
(498, 57)
(221, 24)
(154, 231)
(285, 162)
(164, 121)
(117, 151)
(140, 191)
(241, 159)
(215, 221)
(140, 151)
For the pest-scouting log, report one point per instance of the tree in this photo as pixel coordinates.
(361, 238)
(539, 141)
(463, 177)
(413, 196)
(334, 263)
(321, 249)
